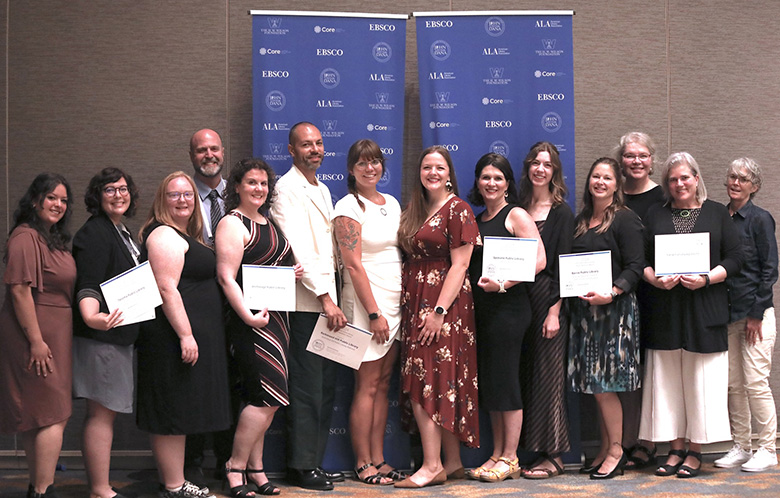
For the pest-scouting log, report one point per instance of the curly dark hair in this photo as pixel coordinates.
(58, 236)
(237, 173)
(94, 194)
(502, 164)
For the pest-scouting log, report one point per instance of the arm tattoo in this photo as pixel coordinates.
(348, 233)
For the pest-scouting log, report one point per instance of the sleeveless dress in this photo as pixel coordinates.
(176, 398)
(502, 321)
(261, 354)
(29, 401)
(381, 260)
(441, 377)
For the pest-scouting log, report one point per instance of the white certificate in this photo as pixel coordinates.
(271, 287)
(509, 258)
(346, 346)
(682, 254)
(134, 292)
(585, 272)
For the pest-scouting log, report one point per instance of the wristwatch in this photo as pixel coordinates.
(501, 289)
(439, 310)
(614, 295)
(375, 315)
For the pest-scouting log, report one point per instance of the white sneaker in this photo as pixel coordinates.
(762, 460)
(735, 457)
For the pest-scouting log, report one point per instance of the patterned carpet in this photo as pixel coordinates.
(712, 483)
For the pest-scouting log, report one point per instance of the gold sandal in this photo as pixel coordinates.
(493, 475)
(475, 474)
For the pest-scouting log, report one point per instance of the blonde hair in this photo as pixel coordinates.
(159, 212)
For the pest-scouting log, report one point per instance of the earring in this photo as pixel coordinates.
(506, 194)
(448, 184)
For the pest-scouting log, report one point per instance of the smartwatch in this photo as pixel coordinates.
(375, 315)
(439, 310)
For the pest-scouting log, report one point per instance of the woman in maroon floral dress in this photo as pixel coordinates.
(438, 348)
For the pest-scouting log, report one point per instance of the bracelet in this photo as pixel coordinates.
(706, 280)
(501, 289)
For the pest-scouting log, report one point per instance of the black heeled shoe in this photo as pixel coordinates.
(617, 471)
(242, 490)
(669, 469)
(591, 467)
(266, 489)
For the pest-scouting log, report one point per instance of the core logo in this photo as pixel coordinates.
(547, 74)
(377, 127)
(492, 101)
(275, 100)
(439, 124)
(549, 96)
(269, 51)
(440, 50)
(381, 27)
(495, 26)
(438, 24)
(324, 29)
(330, 78)
(382, 52)
(330, 52)
(275, 74)
(498, 124)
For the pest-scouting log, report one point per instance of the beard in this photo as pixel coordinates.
(210, 169)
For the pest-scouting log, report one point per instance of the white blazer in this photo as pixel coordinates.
(304, 212)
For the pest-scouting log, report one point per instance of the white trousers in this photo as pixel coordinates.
(685, 396)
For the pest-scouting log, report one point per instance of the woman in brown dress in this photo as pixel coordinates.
(36, 328)
(438, 346)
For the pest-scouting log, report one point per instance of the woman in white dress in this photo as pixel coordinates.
(366, 224)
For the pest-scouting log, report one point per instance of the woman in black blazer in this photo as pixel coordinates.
(686, 377)
(102, 347)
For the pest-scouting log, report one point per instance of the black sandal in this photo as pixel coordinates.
(375, 479)
(685, 471)
(395, 475)
(243, 490)
(635, 462)
(266, 489)
(669, 469)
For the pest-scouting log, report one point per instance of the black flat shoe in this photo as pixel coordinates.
(309, 479)
(685, 471)
(617, 471)
(668, 469)
(334, 476)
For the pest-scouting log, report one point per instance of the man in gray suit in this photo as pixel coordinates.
(303, 209)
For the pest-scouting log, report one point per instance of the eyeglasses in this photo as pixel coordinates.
(739, 178)
(374, 162)
(641, 157)
(109, 191)
(175, 196)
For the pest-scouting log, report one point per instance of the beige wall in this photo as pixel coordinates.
(126, 82)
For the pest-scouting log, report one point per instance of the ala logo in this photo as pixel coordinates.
(330, 103)
(382, 52)
(551, 122)
(499, 147)
(381, 77)
(330, 78)
(495, 51)
(545, 23)
(276, 127)
(275, 101)
(440, 50)
(442, 75)
(494, 26)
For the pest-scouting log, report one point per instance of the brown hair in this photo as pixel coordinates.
(557, 184)
(583, 219)
(369, 150)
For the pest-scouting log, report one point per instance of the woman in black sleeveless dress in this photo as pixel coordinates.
(503, 315)
(258, 340)
(182, 358)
